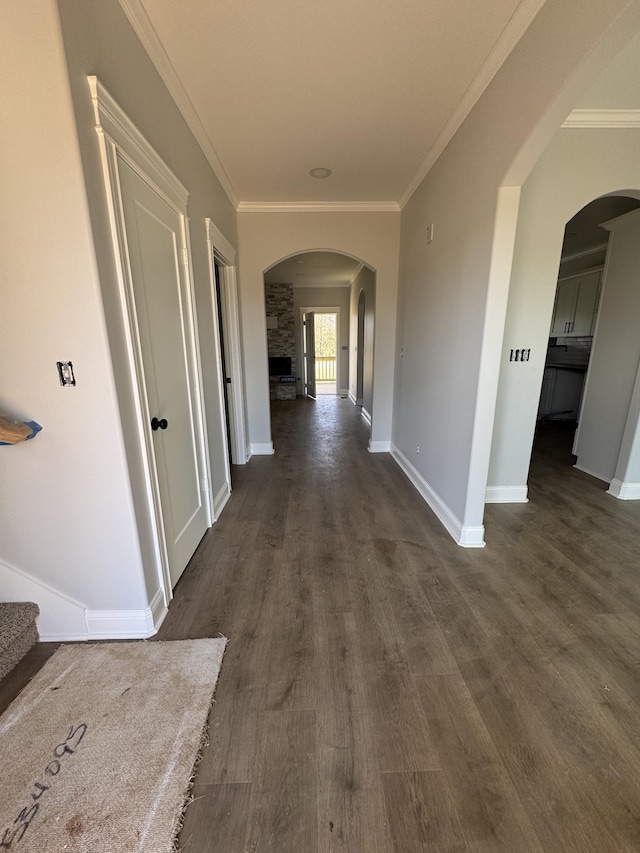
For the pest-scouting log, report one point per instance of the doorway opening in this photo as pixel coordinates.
(321, 350)
(581, 276)
(311, 307)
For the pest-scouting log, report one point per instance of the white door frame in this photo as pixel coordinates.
(119, 137)
(223, 253)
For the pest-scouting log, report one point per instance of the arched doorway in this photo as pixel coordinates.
(303, 289)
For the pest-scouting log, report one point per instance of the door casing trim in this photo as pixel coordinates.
(119, 137)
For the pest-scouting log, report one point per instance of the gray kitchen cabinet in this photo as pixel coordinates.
(576, 305)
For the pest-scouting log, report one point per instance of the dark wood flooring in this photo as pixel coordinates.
(385, 690)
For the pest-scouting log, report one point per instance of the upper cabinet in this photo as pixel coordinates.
(574, 313)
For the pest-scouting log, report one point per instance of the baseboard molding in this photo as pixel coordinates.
(366, 417)
(159, 609)
(352, 398)
(61, 619)
(624, 491)
(262, 449)
(506, 495)
(220, 500)
(120, 624)
(379, 446)
(467, 537)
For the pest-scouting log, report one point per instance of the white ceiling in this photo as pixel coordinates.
(315, 269)
(372, 89)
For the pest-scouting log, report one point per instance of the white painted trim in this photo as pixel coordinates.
(116, 124)
(379, 446)
(318, 207)
(217, 345)
(265, 449)
(220, 242)
(624, 491)
(603, 118)
(467, 537)
(140, 22)
(198, 389)
(221, 249)
(352, 397)
(61, 618)
(120, 624)
(509, 37)
(159, 609)
(220, 500)
(366, 417)
(506, 495)
(129, 144)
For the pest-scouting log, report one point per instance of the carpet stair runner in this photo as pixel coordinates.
(18, 633)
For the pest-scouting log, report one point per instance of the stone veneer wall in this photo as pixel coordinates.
(281, 341)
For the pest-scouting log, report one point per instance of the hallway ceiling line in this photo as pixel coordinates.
(421, 71)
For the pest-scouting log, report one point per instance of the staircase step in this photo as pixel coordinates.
(18, 633)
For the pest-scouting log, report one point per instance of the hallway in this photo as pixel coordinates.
(385, 690)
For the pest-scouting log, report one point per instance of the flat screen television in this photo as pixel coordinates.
(279, 365)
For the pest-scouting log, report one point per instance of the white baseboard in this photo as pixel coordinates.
(352, 397)
(120, 624)
(624, 491)
(506, 495)
(64, 620)
(466, 536)
(379, 446)
(220, 500)
(159, 609)
(262, 449)
(61, 618)
(366, 417)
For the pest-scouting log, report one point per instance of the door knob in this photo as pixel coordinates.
(158, 424)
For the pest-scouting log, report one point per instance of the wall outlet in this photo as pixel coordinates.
(417, 448)
(519, 355)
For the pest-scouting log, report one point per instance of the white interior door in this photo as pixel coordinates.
(309, 355)
(156, 255)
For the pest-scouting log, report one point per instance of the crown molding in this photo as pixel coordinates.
(509, 37)
(603, 118)
(143, 28)
(318, 207)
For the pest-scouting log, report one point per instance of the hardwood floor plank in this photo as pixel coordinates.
(550, 790)
(421, 813)
(490, 812)
(284, 805)
(384, 690)
(216, 819)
